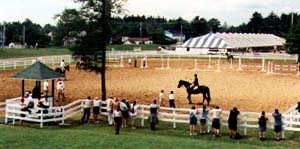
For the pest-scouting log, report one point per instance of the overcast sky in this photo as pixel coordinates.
(234, 12)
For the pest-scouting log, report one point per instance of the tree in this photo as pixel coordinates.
(293, 41)
(214, 25)
(255, 23)
(199, 26)
(92, 44)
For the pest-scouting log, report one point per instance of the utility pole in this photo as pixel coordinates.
(3, 36)
(292, 19)
(24, 35)
(181, 33)
(141, 30)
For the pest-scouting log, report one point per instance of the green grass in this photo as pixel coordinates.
(102, 136)
(19, 53)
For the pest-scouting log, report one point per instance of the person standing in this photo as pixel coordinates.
(161, 98)
(133, 114)
(216, 120)
(125, 113)
(203, 117)
(193, 120)
(135, 62)
(153, 115)
(96, 109)
(117, 119)
(60, 89)
(277, 124)
(172, 100)
(232, 122)
(109, 107)
(46, 87)
(298, 107)
(262, 126)
(86, 110)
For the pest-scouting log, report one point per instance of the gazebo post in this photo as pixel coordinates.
(52, 92)
(23, 88)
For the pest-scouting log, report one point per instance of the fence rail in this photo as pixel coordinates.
(173, 115)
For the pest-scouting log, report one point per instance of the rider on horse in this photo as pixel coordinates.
(195, 83)
(62, 65)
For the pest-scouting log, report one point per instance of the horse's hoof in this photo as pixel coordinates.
(190, 103)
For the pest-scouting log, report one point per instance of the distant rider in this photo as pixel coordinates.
(62, 65)
(195, 83)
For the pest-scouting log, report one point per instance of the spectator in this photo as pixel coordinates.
(46, 88)
(43, 103)
(96, 109)
(23, 109)
(232, 122)
(60, 90)
(153, 115)
(262, 123)
(144, 61)
(161, 98)
(133, 114)
(125, 113)
(116, 104)
(172, 100)
(298, 107)
(109, 105)
(135, 62)
(62, 65)
(203, 117)
(117, 119)
(86, 110)
(193, 120)
(216, 120)
(277, 124)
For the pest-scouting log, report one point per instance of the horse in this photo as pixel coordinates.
(79, 65)
(61, 71)
(204, 90)
(229, 57)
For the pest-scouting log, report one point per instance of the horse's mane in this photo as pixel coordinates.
(185, 81)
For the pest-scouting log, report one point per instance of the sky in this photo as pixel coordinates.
(233, 12)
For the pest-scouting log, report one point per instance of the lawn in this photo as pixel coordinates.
(19, 53)
(102, 136)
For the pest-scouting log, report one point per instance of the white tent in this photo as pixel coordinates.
(234, 40)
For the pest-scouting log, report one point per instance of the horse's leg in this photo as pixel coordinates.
(203, 98)
(189, 98)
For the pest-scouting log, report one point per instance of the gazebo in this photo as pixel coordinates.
(38, 72)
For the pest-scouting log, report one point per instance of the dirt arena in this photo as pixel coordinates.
(247, 90)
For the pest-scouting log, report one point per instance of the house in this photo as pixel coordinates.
(174, 35)
(136, 40)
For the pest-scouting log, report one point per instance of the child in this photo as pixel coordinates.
(203, 117)
(161, 98)
(216, 120)
(193, 120)
(262, 122)
(171, 100)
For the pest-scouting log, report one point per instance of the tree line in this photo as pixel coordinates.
(72, 23)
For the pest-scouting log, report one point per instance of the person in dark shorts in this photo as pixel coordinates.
(117, 119)
(96, 109)
(193, 120)
(125, 112)
(217, 112)
(277, 124)
(153, 119)
(262, 126)
(203, 117)
(172, 100)
(232, 122)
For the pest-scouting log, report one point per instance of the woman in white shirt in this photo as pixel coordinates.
(96, 109)
(216, 120)
(133, 114)
(117, 119)
(203, 117)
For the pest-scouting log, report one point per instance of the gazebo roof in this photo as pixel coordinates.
(38, 72)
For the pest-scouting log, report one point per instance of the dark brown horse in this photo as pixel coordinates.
(204, 90)
(229, 57)
(63, 71)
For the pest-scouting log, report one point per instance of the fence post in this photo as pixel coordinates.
(162, 62)
(6, 114)
(298, 74)
(208, 124)
(218, 68)
(143, 117)
(14, 110)
(245, 123)
(240, 63)
(196, 69)
(283, 133)
(174, 118)
(263, 65)
(63, 116)
(168, 63)
(15, 67)
(209, 60)
(41, 119)
(231, 67)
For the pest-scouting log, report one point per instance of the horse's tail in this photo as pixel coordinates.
(208, 95)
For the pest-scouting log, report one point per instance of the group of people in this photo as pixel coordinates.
(60, 86)
(171, 99)
(233, 122)
(119, 112)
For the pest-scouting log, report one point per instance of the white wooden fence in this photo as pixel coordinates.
(51, 60)
(246, 120)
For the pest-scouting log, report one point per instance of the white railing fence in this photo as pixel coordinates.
(173, 115)
(51, 60)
